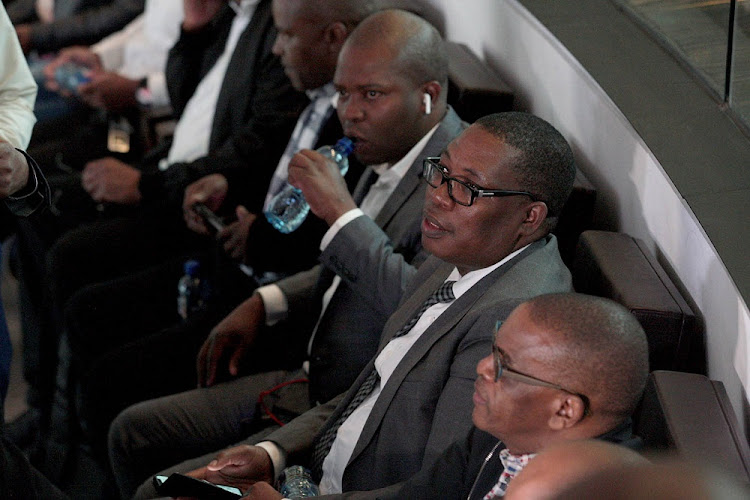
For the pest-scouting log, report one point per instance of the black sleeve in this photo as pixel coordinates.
(85, 28)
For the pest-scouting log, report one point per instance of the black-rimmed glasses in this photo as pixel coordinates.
(504, 371)
(459, 191)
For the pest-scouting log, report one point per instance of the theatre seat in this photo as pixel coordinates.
(692, 416)
(619, 267)
(474, 90)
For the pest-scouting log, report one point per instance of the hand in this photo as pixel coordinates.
(14, 170)
(235, 234)
(262, 491)
(23, 32)
(78, 55)
(109, 91)
(322, 184)
(210, 190)
(110, 180)
(231, 338)
(199, 13)
(241, 467)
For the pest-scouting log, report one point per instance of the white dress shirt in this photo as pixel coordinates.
(386, 363)
(274, 301)
(140, 49)
(193, 131)
(17, 88)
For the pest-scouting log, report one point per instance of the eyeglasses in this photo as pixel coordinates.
(462, 192)
(504, 371)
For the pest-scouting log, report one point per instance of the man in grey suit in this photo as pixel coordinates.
(414, 398)
(395, 132)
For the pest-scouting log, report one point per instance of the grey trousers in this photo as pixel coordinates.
(185, 431)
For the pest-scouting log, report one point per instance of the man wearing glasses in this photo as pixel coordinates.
(563, 367)
(414, 398)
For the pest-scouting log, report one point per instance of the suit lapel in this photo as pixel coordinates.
(442, 325)
(242, 68)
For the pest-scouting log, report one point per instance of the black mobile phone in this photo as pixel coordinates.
(209, 217)
(180, 485)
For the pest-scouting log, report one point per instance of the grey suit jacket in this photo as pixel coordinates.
(391, 246)
(426, 403)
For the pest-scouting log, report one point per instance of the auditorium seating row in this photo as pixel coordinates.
(682, 410)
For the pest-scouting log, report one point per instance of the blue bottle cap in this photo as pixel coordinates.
(344, 146)
(192, 267)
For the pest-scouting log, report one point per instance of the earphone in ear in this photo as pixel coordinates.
(427, 100)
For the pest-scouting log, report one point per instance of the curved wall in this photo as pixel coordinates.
(636, 196)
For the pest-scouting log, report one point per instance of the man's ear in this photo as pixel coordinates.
(434, 90)
(568, 410)
(335, 35)
(536, 214)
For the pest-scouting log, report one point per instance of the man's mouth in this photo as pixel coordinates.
(431, 225)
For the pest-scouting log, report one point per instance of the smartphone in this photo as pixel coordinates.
(209, 217)
(180, 485)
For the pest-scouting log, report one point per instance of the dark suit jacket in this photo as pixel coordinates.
(350, 328)
(256, 110)
(426, 404)
(471, 467)
(77, 22)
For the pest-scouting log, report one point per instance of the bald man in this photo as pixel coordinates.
(563, 367)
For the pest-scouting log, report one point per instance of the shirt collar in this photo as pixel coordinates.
(326, 91)
(402, 166)
(241, 7)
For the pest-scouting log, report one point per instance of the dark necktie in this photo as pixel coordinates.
(324, 443)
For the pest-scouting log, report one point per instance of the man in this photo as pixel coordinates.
(412, 400)
(22, 187)
(310, 38)
(563, 367)
(403, 60)
(235, 104)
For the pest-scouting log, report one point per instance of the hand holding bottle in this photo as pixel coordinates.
(322, 183)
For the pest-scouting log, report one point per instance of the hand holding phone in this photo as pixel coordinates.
(208, 216)
(180, 485)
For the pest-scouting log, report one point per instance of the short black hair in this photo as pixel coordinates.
(545, 167)
(603, 351)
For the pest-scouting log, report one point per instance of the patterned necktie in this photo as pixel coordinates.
(512, 465)
(324, 443)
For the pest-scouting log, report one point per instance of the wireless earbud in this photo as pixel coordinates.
(427, 100)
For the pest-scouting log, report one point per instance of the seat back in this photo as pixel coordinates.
(619, 267)
(691, 415)
(474, 90)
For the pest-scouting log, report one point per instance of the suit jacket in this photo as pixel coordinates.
(426, 403)
(351, 326)
(471, 467)
(77, 22)
(256, 110)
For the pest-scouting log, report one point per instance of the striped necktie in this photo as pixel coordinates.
(325, 442)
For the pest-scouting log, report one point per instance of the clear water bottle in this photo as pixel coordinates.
(296, 482)
(288, 208)
(189, 290)
(69, 76)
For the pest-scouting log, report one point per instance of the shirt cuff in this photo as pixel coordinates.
(336, 226)
(274, 302)
(278, 456)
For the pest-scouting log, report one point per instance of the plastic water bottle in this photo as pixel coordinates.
(189, 290)
(288, 208)
(69, 76)
(296, 482)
